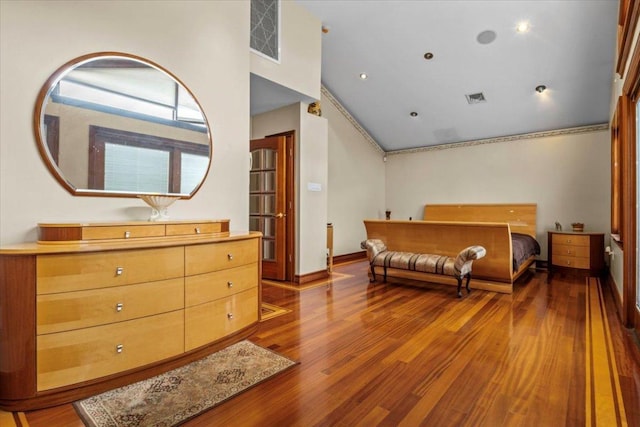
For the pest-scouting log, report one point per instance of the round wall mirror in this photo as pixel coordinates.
(114, 124)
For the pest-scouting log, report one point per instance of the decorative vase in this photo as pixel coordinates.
(159, 206)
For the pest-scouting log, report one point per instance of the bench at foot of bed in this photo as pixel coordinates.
(458, 267)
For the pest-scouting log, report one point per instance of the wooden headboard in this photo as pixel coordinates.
(520, 217)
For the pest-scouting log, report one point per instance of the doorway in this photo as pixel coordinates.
(271, 203)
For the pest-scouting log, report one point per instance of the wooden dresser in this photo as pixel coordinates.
(90, 307)
(580, 250)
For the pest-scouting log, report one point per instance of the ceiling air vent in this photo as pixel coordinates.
(476, 98)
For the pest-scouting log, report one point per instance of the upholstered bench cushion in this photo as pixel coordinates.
(425, 263)
(458, 267)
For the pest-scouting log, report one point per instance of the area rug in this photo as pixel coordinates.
(175, 396)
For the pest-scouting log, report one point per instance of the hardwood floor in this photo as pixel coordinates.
(392, 355)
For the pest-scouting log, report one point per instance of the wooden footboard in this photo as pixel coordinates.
(493, 272)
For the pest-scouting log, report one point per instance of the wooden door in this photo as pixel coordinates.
(268, 203)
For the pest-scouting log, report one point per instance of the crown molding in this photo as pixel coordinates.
(325, 92)
(558, 132)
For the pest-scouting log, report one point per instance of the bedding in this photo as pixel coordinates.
(523, 247)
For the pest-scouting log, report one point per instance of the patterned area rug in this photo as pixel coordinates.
(175, 396)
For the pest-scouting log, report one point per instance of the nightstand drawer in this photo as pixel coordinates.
(570, 240)
(568, 261)
(571, 251)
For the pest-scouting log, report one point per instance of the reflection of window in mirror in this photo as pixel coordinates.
(144, 163)
(129, 89)
(52, 134)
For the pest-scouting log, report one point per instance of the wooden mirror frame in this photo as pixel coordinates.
(51, 159)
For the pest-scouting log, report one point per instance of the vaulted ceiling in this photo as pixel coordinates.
(477, 51)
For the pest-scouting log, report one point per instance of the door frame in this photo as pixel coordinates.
(290, 244)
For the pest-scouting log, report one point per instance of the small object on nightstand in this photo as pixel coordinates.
(577, 226)
(558, 226)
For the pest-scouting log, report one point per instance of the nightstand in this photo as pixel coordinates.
(579, 250)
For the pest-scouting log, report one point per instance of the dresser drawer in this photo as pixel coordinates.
(71, 272)
(84, 354)
(571, 251)
(122, 232)
(217, 256)
(219, 284)
(193, 228)
(208, 322)
(568, 261)
(570, 240)
(80, 309)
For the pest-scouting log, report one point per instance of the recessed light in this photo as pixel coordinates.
(413, 114)
(428, 55)
(541, 88)
(522, 27)
(363, 76)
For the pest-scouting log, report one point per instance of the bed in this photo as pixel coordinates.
(521, 220)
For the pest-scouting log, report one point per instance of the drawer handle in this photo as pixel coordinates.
(230, 284)
(568, 240)
(127, 234)
(119, 348)
(119, 306)
(197, 230)
(569, 251)
(230, 256)
(568, 262)
(230, 316)
(119, 271)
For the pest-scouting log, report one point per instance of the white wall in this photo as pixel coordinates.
(356, 181)
(312, 205)
(205, 44)
(568, 176)
(301, 52)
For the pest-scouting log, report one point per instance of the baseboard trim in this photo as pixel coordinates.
(346, 258)
(310, 277)
(617, 298)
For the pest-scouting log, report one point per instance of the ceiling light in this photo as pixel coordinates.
(428, 55)
(413, 114)
(541, 88)
(522, 27)
(363, 76)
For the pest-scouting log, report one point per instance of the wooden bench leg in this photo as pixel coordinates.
(468, 276)
(385, 275)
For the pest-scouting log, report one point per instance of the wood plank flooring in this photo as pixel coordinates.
(391, 355)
